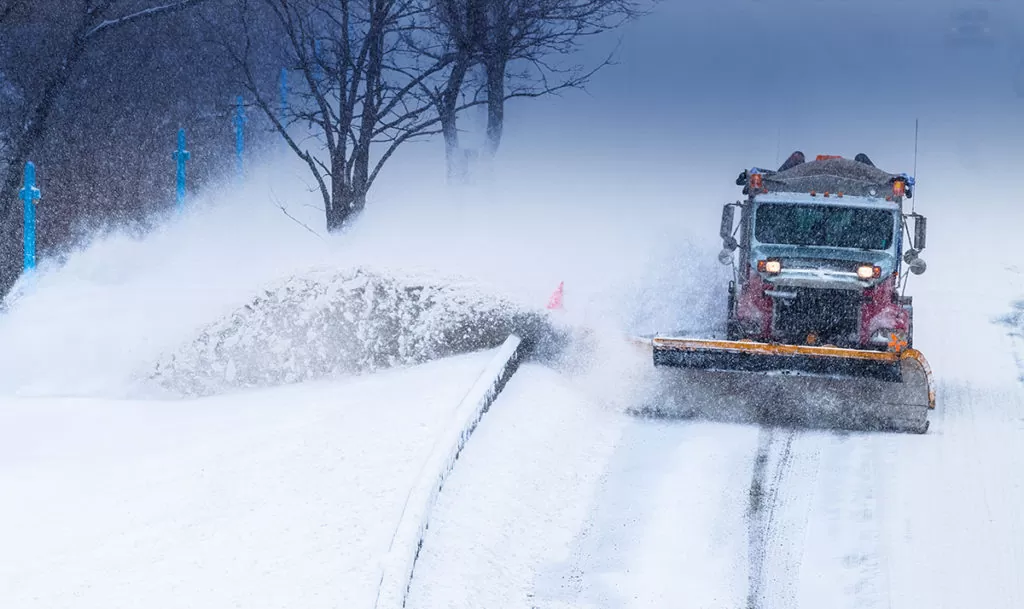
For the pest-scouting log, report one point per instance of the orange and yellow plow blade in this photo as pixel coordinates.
(800, 384)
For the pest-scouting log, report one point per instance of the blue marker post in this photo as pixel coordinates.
(240, 121)
(30, 194)
(181, 155)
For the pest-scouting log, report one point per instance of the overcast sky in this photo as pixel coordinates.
(831, 76)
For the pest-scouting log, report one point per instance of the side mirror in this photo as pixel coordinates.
(725, 232)
(920, 232)
(917, 266)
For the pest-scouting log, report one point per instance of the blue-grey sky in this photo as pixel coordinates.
(825, 76)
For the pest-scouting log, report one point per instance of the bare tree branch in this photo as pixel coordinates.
(279, 205)
(148, 13)
(81, 29)
(363, 77)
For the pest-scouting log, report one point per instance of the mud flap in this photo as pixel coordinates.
(791, 385)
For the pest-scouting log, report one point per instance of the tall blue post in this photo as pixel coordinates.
(30, 194)
(284, 93)
(240, 121)
(181, 155)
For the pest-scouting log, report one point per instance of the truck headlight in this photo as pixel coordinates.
(771, 266)
(869, 271)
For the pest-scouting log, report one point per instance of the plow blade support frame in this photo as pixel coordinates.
(744, 356)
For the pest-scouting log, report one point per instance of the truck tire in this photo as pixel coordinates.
(732, 331)
(908, 304)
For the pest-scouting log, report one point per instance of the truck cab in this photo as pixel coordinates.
(821, 256)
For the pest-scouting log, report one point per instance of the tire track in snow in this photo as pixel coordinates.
(815, 522)
(666, 527)
(763, 498)
(844, 555)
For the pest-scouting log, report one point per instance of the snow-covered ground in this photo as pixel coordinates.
(278, 498)
(289, 496)
(662, 513)
(120, 489)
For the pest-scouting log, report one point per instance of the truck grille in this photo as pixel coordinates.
(832, 315)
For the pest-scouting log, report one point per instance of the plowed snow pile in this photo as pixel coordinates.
(234, 294)
(335, 322)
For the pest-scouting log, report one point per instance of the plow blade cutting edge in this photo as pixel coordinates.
(815, 386)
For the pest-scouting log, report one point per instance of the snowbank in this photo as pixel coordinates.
(335, 322)
(97, 320)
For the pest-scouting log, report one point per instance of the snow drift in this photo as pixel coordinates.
(134, 314)
(336, 322)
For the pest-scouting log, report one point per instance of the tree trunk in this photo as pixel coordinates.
(360, 177)
(495, 68)
(449, 120)
(369, 118)
(340, 207)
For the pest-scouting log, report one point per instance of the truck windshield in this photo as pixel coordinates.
(824, 225)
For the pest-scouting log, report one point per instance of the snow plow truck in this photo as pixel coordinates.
(818, 330)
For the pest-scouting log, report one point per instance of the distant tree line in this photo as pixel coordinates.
(93, 91)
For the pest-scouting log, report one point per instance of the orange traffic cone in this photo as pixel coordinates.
(556, 298)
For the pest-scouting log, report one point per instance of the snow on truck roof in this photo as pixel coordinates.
(798, 198)
(859, 181)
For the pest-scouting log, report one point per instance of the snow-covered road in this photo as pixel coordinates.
(687, 514)
(701, 515)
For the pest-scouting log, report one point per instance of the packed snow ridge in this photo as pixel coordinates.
(329, 323)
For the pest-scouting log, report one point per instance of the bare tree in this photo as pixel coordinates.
(502, 35)
(94, 18)
(459, 24)
(366, 67)
(74, 27)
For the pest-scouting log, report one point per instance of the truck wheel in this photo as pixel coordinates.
(907, 302)
(731, 326)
